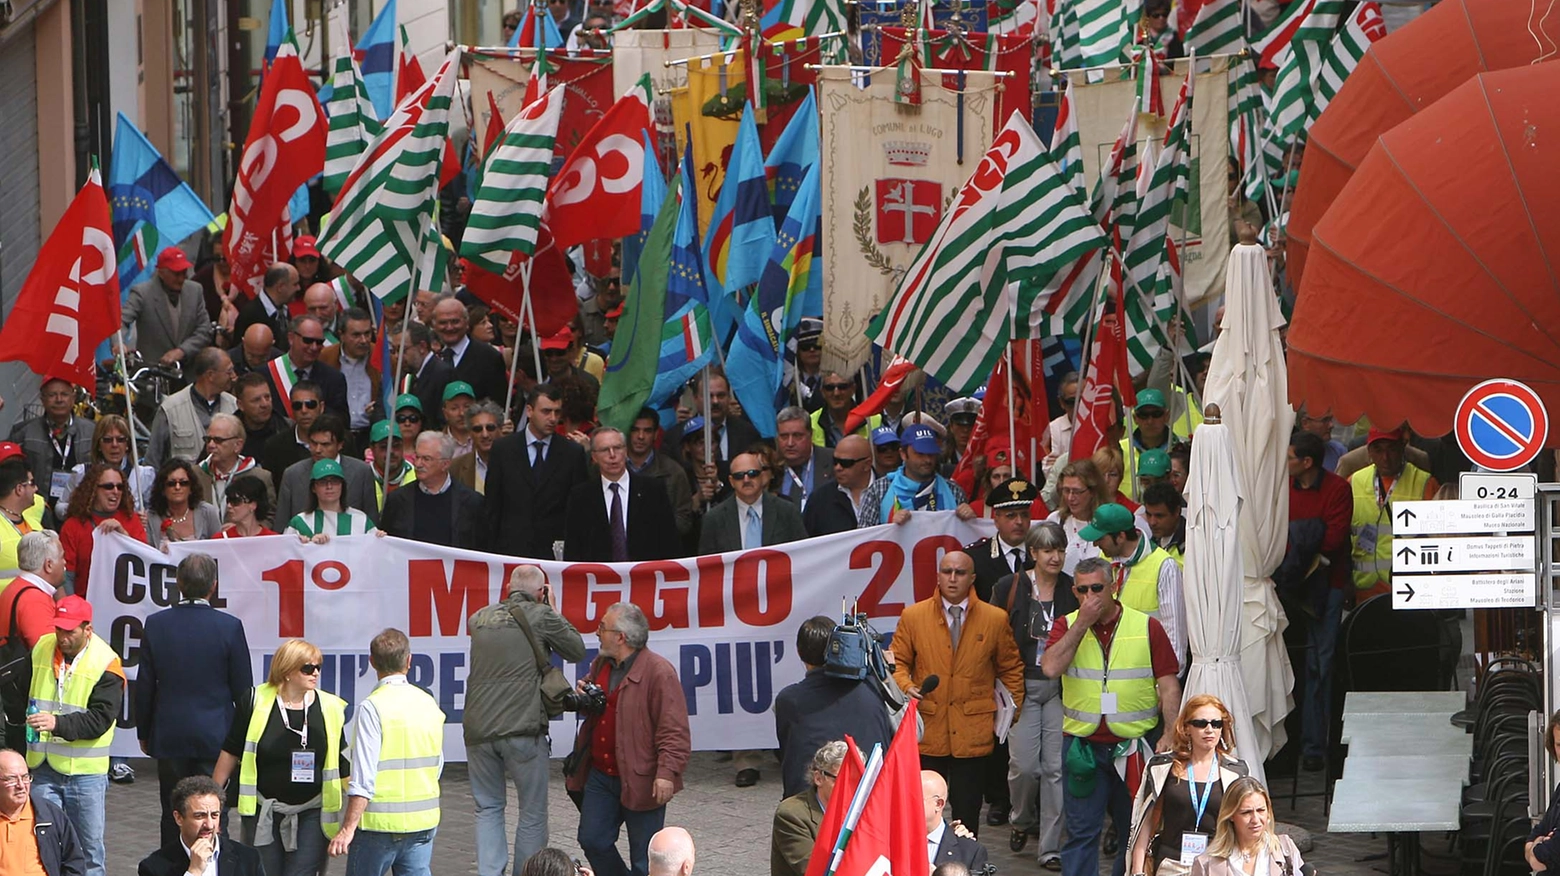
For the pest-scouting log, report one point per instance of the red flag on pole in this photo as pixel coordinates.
(890, 837)
(552, 287)
(285, 149)
(835, 808)
(597, 191)
(891, 382)
(1096, 407)
(69, 302)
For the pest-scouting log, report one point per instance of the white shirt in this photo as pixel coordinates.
(530, 446)
(360, 389)
(948, 615)
(458, 349)
(742, 520)
(211, 862)
(442, 487)
(933, 840)
(606, 495)
(365, 745)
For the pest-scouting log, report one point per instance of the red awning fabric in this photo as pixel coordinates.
(1400, 75)
(1436, 267)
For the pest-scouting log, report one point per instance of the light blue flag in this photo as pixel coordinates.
(741, 231)
(651, 195)
(150, 203)
(686, 336)
(376, 54)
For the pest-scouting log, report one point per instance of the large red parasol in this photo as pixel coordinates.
(1436, 266)
(1400, 75)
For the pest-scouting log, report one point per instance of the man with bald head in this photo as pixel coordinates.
(968, 645)
(671, 852)
(838, 509)
(474, 361)
(255, 350)
(947, 843)
(319, 301)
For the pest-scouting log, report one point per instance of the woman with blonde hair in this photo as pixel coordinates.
(1244, 843)
(1178, 801)
(288, 744)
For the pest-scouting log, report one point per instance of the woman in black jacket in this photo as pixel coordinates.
(1033, 601)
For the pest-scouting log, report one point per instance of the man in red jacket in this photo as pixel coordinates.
(1317, 494)
(630, 756)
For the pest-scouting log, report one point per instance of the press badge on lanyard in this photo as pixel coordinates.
(303, 767)
(303, 760)
(1192, 842)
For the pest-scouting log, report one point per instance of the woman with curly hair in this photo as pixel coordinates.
(111, 446)
(98, 504)
(1178, 802)
(178, 512)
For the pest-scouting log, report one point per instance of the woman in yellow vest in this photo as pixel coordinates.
(289, 747)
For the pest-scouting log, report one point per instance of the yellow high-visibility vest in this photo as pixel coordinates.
(1373, 566)
(1130, 676)
(334, 709)
(11, 536)
(411, 740)
(80, 757)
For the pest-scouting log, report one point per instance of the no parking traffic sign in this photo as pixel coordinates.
(1501, 425)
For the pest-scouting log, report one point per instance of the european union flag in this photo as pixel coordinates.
(142, 188)
(741, 231)
(792, 155)
(686, 336)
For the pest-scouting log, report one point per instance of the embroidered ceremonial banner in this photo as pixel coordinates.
(587, 93)
(637, 52)
(888, 171)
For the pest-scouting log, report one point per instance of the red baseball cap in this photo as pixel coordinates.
(9, 450)
(615, 313)
(71, 612)
(1383, 435)
(304, 246)
(173, 259)
(559, 341)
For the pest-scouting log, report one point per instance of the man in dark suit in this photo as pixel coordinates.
(752, 517)
(530, 475)
(729, 435)
(440, 509)
(837, 509)
(618, 517)
(808, 469)
(944, 838)
(430, 374)
(168, 312)
(474, 361)
(194, 668)
(197, 804)
(327, 436)
(305, 342)
(820, 708)
(270, 306)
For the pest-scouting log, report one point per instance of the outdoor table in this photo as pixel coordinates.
(1403, 734)
(1400, 808)
(1428, 702)
(1388, 767)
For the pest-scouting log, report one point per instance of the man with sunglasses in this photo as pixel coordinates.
(178, 430)
(828, 422)
(885, 450)
(916, 485)
(1058, 438)
(809, 359)
(839, 510)
(1149, 577)
(1152, 432)
(194, 668)
(305, 343)
(1118, 672)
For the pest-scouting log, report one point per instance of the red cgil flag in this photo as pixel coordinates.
(285, 149)
(1107, 370)
(69, 302)
(552, 287)
(836, 807)
(890, 837)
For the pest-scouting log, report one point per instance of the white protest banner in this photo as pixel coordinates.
(727, 622)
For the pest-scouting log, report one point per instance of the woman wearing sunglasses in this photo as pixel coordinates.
(110, 446)
(178, 510)
(98, 504)
(1177, 806)
(288, 745)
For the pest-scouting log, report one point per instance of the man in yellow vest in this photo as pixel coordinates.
(1118, 673)
(1389, 478)
(397, 757)
(21, 507)
(78, 687)
(1148, 577)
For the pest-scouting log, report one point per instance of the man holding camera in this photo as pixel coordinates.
(505, 721)
(630, 755)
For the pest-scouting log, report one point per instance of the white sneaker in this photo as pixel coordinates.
(121, 774)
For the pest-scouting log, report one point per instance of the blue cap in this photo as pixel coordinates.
(884, 435)
(694, 428)
(921, 439)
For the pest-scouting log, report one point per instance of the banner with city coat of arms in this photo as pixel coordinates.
(1102, 108)
(888, 172)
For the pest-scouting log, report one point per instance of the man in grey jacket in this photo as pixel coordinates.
(505, 723)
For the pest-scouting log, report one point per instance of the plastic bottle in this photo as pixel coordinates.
(32, 734)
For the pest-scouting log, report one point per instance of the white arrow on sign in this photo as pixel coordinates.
(1464, 591)
(1463, 517)
(1498, 553)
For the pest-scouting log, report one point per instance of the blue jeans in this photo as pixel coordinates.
(405, 854)
(307, 859)
(523, 760)
(1085, 816)
(602, 815)
(1316, 710)
(83, 799)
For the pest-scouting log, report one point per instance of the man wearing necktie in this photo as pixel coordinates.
(530, 476)
(809, 469)
(751, 517)
(618, 516)
(966, 643)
